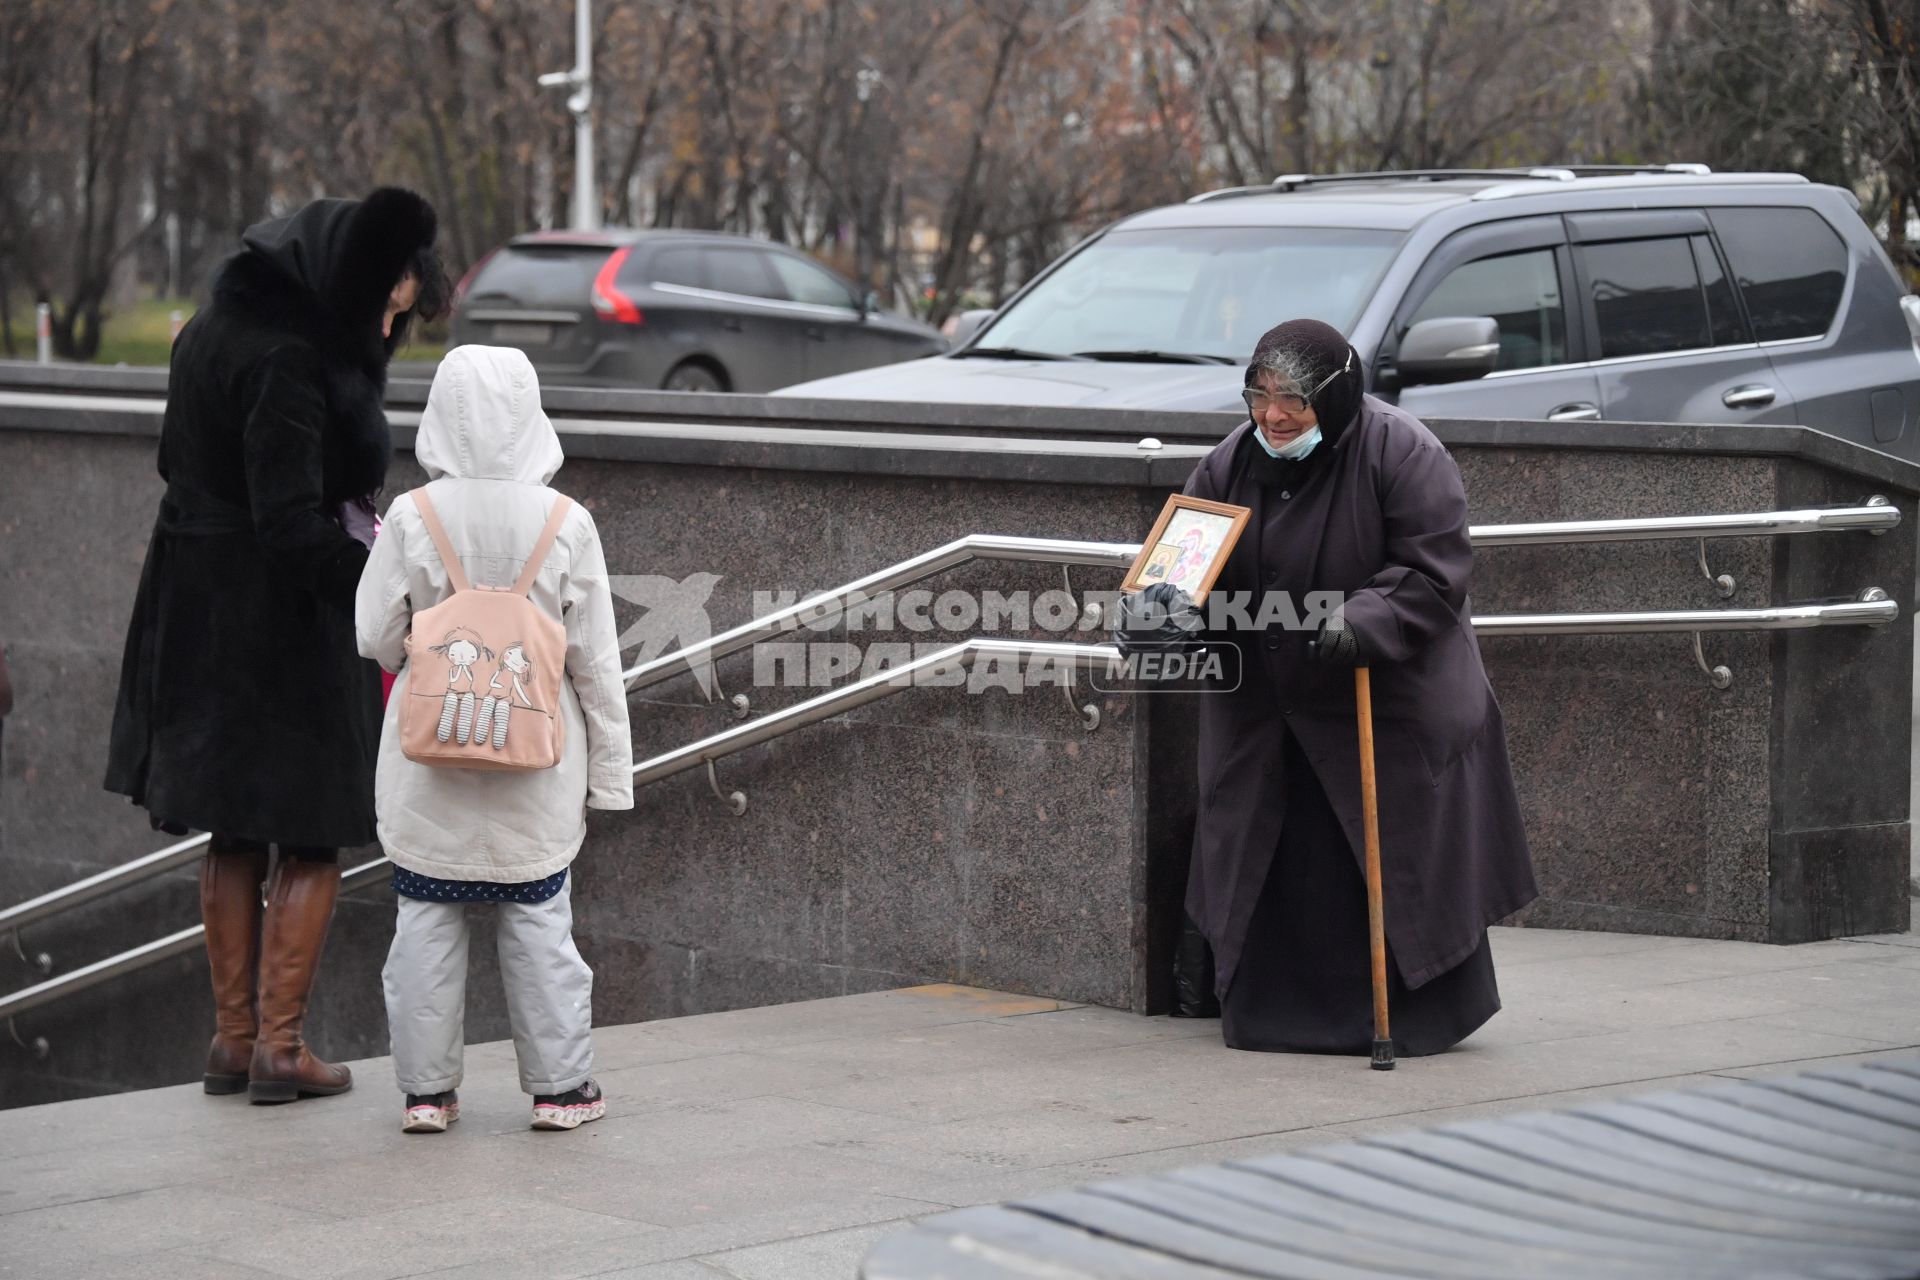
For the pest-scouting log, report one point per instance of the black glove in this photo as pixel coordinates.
(1160, 619)
(1335, 647)
(1193, 975)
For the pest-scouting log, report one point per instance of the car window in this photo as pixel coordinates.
(1209, 291)
(540, 275)
(741, 271)
(1791, 265)
(1646, 297)
(1521, 292)
(1723, 313)
(807, 283)
(686, 267)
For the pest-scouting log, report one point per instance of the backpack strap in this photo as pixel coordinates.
(438, 532)
(538, 556)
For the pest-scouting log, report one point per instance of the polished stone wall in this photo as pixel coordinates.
(1773, 810)
(985, 837)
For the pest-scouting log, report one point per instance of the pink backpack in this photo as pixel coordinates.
(485, 667)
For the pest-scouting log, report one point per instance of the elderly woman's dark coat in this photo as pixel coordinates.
(244, 706)
(1380, 516)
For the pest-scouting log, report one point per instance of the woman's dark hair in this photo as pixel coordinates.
(435, 293)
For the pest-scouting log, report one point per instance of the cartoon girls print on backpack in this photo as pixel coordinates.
(514, 668)
(466, 721)
(462, 649)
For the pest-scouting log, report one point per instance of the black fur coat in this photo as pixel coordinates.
(244, 707)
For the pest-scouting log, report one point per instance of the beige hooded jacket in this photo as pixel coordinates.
(489, 450)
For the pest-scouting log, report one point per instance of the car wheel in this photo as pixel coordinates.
(694, 377)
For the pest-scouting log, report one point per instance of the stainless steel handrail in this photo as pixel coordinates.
(1876, 515)
(881, 684)
(827, 607)
(824, 606)
(54, 902)
(1873, 609)
(150, 953)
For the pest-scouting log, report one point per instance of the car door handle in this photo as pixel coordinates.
(1754, 395)
(1578, 411)
(816, 333)
(731, 324)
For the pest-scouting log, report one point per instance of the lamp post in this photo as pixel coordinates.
(586, 199)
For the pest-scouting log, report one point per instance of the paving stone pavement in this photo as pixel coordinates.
(780, 1143)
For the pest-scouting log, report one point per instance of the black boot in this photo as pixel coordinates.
(1193, 995)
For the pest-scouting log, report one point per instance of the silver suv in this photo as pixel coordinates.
(1652, 295)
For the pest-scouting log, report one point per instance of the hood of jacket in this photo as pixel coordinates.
(326, 270)
(483, 420)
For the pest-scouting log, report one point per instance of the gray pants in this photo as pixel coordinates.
(549, 993)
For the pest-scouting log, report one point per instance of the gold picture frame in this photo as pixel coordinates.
(1188, 546)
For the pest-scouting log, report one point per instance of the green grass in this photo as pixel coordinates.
(418, 350)
(141, 334)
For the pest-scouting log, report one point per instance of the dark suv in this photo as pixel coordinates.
(1663, 295)
(688, 311)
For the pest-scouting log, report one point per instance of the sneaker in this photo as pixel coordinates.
(571, 1109)
(430, 1112)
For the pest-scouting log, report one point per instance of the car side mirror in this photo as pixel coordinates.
(1448, 349)
(963, 326)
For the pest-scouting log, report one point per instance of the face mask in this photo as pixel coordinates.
(1293, 450)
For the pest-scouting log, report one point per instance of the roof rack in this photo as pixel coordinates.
(1547, 173)
(1640, 179)
(1689, 169)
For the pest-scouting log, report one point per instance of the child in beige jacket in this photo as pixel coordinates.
(460, 836)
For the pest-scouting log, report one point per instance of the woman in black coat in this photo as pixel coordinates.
(244, 707)
(1351, 496)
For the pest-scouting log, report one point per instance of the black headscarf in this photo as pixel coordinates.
(1338, 403)
(349, 254)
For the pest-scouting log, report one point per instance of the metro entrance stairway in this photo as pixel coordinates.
(1814, 1175)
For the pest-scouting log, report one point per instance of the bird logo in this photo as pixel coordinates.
(674, 612)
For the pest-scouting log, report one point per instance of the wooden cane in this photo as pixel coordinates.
(1376, 918)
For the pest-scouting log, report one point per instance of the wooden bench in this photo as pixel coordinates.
(1814, 1175)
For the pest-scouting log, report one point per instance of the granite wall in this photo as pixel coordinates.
(1774, 810)
(980, 836)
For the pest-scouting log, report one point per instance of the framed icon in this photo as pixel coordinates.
(1189, 545)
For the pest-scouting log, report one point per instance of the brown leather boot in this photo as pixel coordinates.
(299, 909)
(230, 880)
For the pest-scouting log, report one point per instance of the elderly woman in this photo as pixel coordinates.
(1349, 495)
(245, 708)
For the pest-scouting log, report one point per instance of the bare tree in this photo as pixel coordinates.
(1750, 84)
(957, 145)
(70, 199)
(1887, 58)
(645, 38)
